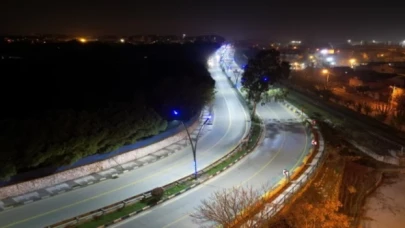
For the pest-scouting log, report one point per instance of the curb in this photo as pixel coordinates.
(281, 197)
(184, 190)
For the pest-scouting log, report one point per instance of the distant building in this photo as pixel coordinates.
(291, 55)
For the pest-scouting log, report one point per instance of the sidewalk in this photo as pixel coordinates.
(111, 173)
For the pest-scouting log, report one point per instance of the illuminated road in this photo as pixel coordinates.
(285, 145)
(229, 127)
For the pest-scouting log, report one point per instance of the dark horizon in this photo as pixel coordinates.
(253, 20)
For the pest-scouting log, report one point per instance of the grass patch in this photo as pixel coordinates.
(177, 188)
(107, 218)
(114, 215)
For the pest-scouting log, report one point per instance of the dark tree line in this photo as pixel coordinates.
(261, 72)
(63, 102)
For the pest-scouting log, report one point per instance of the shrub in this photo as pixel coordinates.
(157, 193)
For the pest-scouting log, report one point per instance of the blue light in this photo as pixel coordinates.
(265, 79)
(209, 117)
(175, 112)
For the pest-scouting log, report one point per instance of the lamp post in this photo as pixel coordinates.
(326, 72)
(193, 145)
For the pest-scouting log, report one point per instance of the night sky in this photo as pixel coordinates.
(285, 20)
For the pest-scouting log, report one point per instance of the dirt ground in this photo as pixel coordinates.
(385, 208)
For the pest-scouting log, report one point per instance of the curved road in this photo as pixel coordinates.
(284, 146)
(229, 127)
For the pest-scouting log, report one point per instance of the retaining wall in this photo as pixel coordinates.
(71, 174)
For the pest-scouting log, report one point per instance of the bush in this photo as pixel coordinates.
(6, 171)
(157, 194)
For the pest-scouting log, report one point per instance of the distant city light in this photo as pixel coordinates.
(324, 51)
(82, 40)
(329, 59)
(122, 40)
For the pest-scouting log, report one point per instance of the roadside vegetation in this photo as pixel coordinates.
(67, 101)
(334, 198)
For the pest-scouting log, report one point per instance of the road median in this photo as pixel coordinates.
(130, 207)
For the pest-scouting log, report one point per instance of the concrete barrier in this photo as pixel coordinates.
(71, 174)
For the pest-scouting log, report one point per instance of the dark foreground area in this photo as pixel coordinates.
(62, 102)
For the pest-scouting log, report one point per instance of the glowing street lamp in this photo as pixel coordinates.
(82, 40)
(193, 145)
(352, 62)
(326, 72)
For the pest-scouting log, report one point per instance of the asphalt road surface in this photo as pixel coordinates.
(285, 145)
(230, 125)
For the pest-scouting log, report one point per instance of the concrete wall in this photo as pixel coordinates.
(71, 174)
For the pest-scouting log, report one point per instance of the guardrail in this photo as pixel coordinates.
(298, 178)
(146, 195)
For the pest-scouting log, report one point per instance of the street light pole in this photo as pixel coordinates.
(326, 72)
(194, 145)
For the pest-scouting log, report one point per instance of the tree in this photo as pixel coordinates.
(224, 206)
(261, 72)
(312, 210)
(132, 105)
(285, 69)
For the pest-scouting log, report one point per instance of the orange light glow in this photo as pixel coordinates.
(82, 40)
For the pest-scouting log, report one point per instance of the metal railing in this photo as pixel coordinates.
(272, 208)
